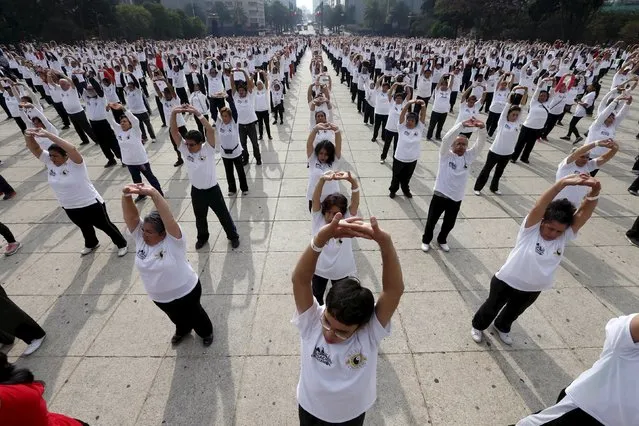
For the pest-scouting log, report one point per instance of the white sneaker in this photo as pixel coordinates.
(477, 193)
(445, 247)
(477, 335)
(123, 251)
(382, 161)
(230, 194)
(88, 250)
(425, 247)
(33, 346)
(498, 192)
(505, 337)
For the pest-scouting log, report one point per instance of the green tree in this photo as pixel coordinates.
(193, 27)
(161, 24)
(238, 15)
(134, 21)
(374, 14)
(223, 13)
(399, 14)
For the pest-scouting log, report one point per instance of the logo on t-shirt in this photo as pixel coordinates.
(357, 360)
(452, 165)
(320, 355)
(52, 172)
(141, 254)
(539, 249)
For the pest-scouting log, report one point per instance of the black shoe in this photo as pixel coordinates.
(281, 122)
(65, 127)
(163, 125)
(245, 162)
(408, 194)
(235, 243)
(207, 341)
(565, 138)
(512, 160)
(275, 122)
(200, 243)
(84, 143)
(140, 198)
(373, 139)
(258, 163)
(260, 138)
(525, 161)
(176, 339)
(560, 124)
(634, 241)
(392, 195)
(110, 163)
(178, 163)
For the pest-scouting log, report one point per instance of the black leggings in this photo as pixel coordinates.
(380, 121)
(188, 314)
(525, 143)
(492, 160)
(249, 131)
(6, 233)
(263, 122)
(95, 216)
(572, 127)
(229, 164)
(307, 419)
(14, 322)
(390, 137)
(439, 205)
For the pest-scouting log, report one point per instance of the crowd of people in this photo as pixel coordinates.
(214, 95)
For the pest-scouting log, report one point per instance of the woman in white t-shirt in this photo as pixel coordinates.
(167, 276)
(382, 106)
(69, 181)
(468, 110)
(336, 261)
(507, 132)
(395, 109)
(340, 340)
(583, 104)
(230, 150)
(262, 106)
(244, 100)
(322, 157)
(411, 132)
(441, 106)
(531, 265)
(606, 393)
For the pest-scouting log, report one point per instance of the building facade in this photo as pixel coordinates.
(254, 9)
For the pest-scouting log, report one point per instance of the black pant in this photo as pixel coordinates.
(390, 137)
(236, 162)
(59, 108)
(307, 419)
(418, 108)
(380, 121)
(145, 122)
(525, 143)
(360, 99)
(439, 205)
(188, 314)
(248, 130)
(402, 173)
(21, 124)
(95, 216)
(492, 160)
(487, 101)
(182, 130)
(369, 112)
(120, 92)
(181, 93)
(491, 122)
(3, 104)
(572, 127)
(263, 121)
(6, 233)
(215, 104)
(278, 110)
(14, 322)
(514, 302)
(82, 126)
(436, 119)
(353, 91)
(212, 197)
(144, 169)
(200, 126)
(551, 121)
(453, 99)
(106, 139)
(632, 232)
(43, 94)
(160, 107)
(5, 188)
(319, 287)
(634, 186)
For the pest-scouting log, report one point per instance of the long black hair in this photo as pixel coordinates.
(10, 375)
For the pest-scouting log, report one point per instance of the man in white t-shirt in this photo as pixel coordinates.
(606, 393)
(340, 340)
(531, 265)
(579, 162)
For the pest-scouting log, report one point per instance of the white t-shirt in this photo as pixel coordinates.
(336, 260)
(382, 104)
(393, 116)
(164, 269)
(228, 138)
(200, 166)
(130, 141)
(338, 382)
(71, 100)
(70, 183)
(409, 143)
(261, 100)
(532, 263)
(315, 170)
(466, 113)
(245, 109)
(441, 101)
(588, 98)
(575, 194)
(609, 390)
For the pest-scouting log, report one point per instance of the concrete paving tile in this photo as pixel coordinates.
(386, 208)
(89, 383)
(254, 236)
(53, 371)
(272, 318)
(193, 390)
(445, 378)
(290, 235)
(292, 208)
(231, 273)
(278, 271)
(253, 209)
(267, 391)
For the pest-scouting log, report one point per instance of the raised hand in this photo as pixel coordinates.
(582, 179)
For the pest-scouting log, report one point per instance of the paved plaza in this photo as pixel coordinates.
(107, 358)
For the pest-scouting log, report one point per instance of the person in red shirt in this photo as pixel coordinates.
(21, 401)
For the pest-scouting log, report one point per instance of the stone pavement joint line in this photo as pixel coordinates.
(107, 358)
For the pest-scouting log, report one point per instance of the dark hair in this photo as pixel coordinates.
(318, 112)
(57, 148)
(329, 148)
(562, 211)
(335, 199)
(10, 375)
(194, 135)
(27, 99)
(349, 302)
(156, 221)
(542, 92)
(514, 108)
(412, 116)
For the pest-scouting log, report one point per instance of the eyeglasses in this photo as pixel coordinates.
(342, 335)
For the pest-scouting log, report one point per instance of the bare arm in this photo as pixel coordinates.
(584, 212)
(175, 133)
(72, 152)
(317, 192)
(355, 194)
(581, 151)
(32, 145)
(634, 329)
(392, 277)
(449, 139)
(612, 146)
(130, 212)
